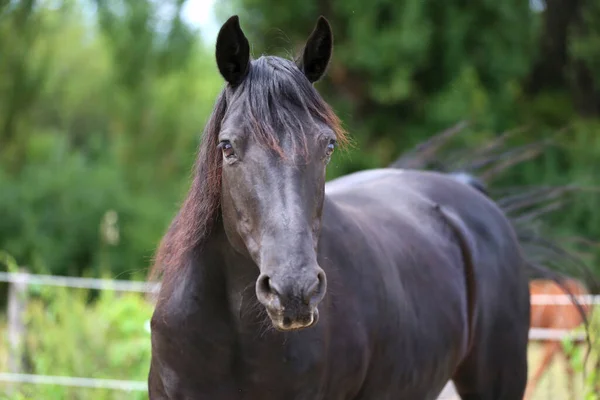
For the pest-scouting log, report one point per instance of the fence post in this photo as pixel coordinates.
(17, 304)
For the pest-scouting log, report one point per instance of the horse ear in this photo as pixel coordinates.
(317, 51)
(233, 52)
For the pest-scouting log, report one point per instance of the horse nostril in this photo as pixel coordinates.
(321, 278)
(264, 283)
(265, 288)
(316, 291)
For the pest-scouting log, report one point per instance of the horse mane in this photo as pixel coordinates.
(273, 93)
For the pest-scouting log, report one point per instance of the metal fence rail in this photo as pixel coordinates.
(112, 384)
(563, 299)
(81, 283)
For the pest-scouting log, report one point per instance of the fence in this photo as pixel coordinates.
(17, 302)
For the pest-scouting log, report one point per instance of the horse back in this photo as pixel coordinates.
(386, 198)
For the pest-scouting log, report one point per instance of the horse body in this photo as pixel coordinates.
(394, 324)
(496, 365)
(380, 285)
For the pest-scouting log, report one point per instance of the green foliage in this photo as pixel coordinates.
(579, 363)
(584, 45)
(67, 335)
(111, 127)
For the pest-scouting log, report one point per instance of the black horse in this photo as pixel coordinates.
(382, 284)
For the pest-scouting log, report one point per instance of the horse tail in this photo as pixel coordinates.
(524, 207)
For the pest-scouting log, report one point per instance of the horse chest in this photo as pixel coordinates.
(278, 366)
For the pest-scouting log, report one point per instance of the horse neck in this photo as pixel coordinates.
(200, 281)
(223, 279)
(240, 275)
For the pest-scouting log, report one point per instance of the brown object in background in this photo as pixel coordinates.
(555, 316)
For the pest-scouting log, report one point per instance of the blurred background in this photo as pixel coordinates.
(102, 104)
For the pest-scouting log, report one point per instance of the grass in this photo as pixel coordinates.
(553, 384)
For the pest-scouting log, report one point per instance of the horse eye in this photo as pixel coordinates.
(331, 146)
(226, 148)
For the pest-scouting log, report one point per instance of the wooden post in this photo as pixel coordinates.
(17, 304)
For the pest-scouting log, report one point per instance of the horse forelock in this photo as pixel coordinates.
(277, 102)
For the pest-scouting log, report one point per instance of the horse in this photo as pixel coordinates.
(555, 316)
(381, 284)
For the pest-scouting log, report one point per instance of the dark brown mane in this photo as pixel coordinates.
(273, 92)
